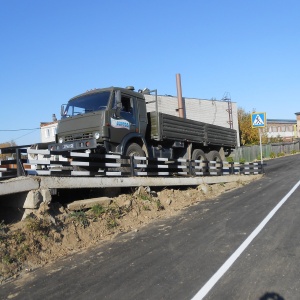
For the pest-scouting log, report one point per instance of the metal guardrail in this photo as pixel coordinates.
(27, 161)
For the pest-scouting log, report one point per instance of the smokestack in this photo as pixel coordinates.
(179, 96)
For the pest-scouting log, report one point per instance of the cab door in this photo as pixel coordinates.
(125, 123)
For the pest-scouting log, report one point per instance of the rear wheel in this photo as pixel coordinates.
(198, 154)
(214, 156)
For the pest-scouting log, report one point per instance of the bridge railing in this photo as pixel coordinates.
(27, 161)
(13, 161)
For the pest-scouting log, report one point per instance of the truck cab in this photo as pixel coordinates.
(102, 120)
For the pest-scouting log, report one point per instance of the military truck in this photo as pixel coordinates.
(115, 120)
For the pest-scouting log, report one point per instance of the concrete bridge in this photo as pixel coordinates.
(29, 191)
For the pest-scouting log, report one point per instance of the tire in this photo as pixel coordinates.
(197, 154)
(214, 156)
(132, 150)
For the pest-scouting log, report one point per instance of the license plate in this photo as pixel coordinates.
(68, 146)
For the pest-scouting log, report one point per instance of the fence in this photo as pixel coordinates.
(46, 163)
(252, 153)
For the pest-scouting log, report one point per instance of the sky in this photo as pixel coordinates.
(53, 50)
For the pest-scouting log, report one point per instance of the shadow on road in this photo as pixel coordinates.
(271, 296)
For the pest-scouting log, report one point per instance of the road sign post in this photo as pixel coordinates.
(258, 120)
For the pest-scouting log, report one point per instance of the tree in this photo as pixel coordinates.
(248, 135)
(6, 145)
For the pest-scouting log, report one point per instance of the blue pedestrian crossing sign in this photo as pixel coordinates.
(258, 119)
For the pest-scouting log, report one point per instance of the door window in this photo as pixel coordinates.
(127, 111)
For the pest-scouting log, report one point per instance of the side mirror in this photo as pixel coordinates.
(118, 97)
(118, 103)
(63, 110)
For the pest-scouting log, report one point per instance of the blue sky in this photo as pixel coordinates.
(53, 50)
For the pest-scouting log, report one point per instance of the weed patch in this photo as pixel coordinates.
(80, 218)
(159, 205)
(97, 210)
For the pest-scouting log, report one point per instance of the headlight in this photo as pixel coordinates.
(96, 135)
(60, 140)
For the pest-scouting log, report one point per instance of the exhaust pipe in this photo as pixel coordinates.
(179, 96)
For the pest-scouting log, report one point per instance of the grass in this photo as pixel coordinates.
(19, 237)
(80, 218)
(111, 222)
(229, 159)
(3, 229)
(113, 213)
(146, 207)
(145, 197)
(13, 250)
(7, 259)
(22, 252)
(159, 205)
(34, 225)
(98, 210)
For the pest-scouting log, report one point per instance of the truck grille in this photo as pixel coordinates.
(78, 137)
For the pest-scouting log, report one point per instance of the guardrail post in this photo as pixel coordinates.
(20, 167)
(190, 167)
(132, 165)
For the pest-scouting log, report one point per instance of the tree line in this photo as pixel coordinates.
(250, 135)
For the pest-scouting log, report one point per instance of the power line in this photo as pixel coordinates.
(18, 129)
(24, 135)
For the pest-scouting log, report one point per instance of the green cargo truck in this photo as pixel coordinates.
(115, 120)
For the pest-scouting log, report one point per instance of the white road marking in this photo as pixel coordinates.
(229, 262)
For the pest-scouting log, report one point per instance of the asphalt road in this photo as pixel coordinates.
(176, 258)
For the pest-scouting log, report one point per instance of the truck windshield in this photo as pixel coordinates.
(86, 104)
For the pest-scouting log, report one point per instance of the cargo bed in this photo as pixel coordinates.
(167, 127)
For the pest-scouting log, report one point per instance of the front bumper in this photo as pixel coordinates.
(73, 146)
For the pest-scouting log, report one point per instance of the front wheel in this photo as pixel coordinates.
(133, 149)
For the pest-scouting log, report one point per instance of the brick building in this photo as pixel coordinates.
(283, 129)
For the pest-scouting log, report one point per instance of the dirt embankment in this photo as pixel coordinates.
(54, 231)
